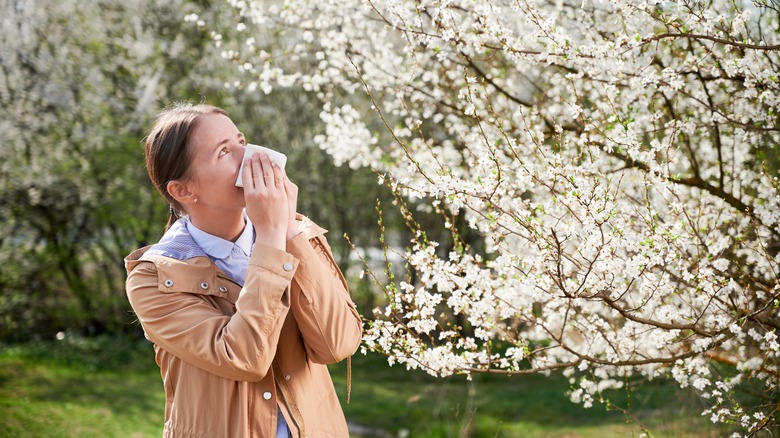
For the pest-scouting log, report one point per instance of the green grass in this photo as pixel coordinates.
(393, 399)
(111, 388)
(97, 388)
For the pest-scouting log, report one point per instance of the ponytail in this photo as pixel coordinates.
(172, 217)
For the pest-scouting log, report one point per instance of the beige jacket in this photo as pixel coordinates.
(229, 356)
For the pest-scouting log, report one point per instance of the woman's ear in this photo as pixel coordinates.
(180, 191)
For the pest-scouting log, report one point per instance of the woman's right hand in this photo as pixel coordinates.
(266, 200)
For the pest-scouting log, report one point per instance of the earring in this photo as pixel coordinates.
(196, 200)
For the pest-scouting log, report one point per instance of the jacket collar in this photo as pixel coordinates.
(178, 244)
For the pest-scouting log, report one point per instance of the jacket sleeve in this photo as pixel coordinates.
(327, 318)
(238, 347)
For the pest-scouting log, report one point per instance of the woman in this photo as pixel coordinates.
(241, 297)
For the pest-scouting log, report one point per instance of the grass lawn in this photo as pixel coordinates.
(87, 388)
(395, 400)
(111, 388)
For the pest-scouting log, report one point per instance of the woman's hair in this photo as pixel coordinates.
(168, 151)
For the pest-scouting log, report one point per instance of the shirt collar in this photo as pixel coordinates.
(247, 238)
(218, 247)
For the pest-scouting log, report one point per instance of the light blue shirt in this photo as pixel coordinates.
(185, 240)
(230, 257)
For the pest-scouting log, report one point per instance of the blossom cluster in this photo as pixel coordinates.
(616, 158)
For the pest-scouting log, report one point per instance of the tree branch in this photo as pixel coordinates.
(713, 39)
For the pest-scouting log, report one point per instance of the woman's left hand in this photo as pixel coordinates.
(292, 202)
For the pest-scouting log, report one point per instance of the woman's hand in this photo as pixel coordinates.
(267, 200)
(292, 202)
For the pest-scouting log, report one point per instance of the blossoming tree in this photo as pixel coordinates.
(80, 82)
(617, 160)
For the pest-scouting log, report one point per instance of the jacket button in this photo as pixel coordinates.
(222, 289)
(286, 377)
(204, 285)
(168, 283)
(267, 395)
(287, 266)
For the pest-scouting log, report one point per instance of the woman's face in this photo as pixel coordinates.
(218, 148)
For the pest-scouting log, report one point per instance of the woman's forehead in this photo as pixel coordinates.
(212, 130)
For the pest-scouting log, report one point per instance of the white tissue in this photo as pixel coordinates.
(277, 157)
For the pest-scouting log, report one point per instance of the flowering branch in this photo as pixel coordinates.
(610, 164)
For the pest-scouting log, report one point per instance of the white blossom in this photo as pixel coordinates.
(608, 154)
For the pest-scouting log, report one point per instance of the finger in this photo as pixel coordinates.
(268, 172)
(246, 174)
(290, 187)
(279, 176)
(257, 171)
(292, 195)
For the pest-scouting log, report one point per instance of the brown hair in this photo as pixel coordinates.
(168, 154)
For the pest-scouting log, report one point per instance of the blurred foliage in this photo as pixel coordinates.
(80, 83)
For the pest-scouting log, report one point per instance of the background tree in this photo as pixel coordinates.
(80, 83)
(612, 162)
(65, 106)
